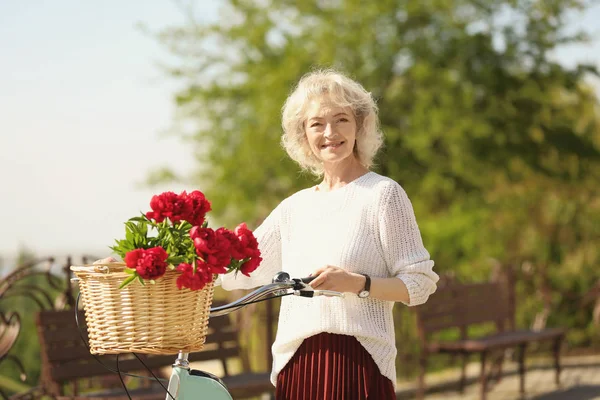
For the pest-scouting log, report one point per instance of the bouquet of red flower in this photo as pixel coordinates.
(175, 235)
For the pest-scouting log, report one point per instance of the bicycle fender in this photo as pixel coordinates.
(185, 386)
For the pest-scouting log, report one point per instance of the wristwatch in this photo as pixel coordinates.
(366, 291)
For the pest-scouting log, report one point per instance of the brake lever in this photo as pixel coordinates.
(303, 283)
(301, 286)
(315, 293)
(303, 289)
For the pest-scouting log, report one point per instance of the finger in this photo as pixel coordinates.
(320, 280)
(318, 271)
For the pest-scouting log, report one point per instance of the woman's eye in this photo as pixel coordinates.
(343, 120)
(315, 124)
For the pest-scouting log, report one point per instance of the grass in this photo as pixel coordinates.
(11, 385)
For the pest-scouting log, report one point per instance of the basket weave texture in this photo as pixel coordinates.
(152, 319)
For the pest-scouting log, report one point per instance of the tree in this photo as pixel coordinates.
(497, 145)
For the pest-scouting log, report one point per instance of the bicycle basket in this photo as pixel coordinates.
(150, 319)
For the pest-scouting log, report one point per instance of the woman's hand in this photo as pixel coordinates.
(337, 279)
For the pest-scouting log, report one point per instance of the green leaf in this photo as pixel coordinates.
(129, 236)
(127, 281)
(130, 271)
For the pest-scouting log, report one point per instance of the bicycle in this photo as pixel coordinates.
(186, 383)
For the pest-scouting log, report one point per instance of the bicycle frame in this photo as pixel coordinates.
(186, 384)
(189, 384)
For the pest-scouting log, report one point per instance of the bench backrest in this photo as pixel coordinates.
(65, 357)
(456, 305)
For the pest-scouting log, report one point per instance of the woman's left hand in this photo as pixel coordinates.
(335, 278)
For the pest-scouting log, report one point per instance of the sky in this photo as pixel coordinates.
(83, 112)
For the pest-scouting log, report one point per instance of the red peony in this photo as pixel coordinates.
(198, 207)
(169, 205)
(249, 249)
(190, 207)
(148, 263)
(213, 247)
(236, 249)
(191, 280)
(250, 266)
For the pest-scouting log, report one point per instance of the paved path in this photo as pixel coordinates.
(580, 380)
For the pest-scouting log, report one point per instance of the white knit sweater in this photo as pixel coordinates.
(367, 226)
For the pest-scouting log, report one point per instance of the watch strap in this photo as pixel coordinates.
(367, 283)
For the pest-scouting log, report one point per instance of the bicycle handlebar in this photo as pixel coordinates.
(282, 285)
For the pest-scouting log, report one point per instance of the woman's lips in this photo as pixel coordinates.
(332, 145)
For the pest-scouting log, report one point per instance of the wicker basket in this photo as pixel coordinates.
(150, 319)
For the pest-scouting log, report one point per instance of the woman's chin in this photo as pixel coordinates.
(335, 158)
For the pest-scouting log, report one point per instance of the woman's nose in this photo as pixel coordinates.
(328, 130)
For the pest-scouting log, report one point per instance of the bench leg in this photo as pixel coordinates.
(556, 350)
(483, 376)
(522, 348)
(463, 373)
(421, 381)
(499, 362)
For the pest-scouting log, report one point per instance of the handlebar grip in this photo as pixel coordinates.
(308, 279)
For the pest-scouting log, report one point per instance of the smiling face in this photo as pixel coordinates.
(330, 131)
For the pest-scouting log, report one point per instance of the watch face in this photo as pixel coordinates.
(363, 294)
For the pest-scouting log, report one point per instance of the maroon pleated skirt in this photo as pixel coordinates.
(328, 366)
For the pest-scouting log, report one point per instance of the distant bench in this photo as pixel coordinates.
(66, 361)
(460, 306)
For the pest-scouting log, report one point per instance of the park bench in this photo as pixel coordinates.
(66, 361)
(460, 307)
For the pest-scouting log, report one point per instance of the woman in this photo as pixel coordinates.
(356, 231)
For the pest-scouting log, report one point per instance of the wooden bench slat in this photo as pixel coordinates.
(216, 354)
(222, 337)
(67, 371)
(440, 323)
(65, 335)
(58, 354)
(494, 342)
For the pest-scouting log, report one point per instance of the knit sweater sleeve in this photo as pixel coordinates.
(405, 255)
(268, 235)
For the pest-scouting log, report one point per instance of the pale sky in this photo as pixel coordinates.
(82, 109)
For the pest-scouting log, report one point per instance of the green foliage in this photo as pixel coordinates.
(142, 233)
(497, 145)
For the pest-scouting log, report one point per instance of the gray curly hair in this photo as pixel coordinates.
(343, 92)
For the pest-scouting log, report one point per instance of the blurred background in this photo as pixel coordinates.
(490, 109)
